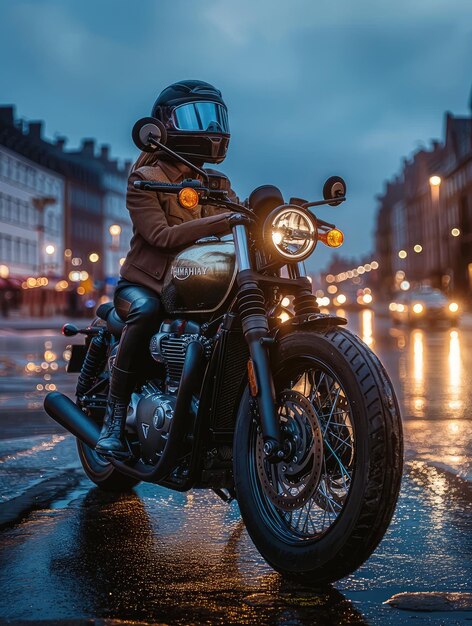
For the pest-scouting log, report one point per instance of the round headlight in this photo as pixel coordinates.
(291, 231)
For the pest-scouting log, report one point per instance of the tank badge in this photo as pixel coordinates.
(182, 272)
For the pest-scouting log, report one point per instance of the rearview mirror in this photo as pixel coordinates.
(147, 133)
(334, 187)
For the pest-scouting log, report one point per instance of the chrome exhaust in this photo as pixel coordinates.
(67, 414)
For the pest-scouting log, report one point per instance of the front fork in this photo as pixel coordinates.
(256, 332)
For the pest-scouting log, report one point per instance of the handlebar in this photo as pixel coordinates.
(207, 196)
(149, 185)
(218, 197)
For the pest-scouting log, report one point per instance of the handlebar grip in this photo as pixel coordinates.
(156, 186)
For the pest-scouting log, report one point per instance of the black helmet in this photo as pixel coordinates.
(196, 119)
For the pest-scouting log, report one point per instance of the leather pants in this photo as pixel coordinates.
(141, 309)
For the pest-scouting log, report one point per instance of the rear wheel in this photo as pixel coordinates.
(102, 472)
(319, 514)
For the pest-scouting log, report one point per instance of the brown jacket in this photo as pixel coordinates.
(161, 227)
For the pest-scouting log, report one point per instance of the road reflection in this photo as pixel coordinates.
(32, 364)
(455, 372)
(367, 318)
(418, 388)
(160, 558)
(432, 374)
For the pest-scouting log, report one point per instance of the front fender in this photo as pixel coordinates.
(307, 321)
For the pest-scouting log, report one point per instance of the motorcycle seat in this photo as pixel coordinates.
(107, 312)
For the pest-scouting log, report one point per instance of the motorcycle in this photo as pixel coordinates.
(248, 389)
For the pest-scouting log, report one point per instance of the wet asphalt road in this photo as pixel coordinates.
(160, 556)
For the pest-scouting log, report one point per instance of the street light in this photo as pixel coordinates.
(435, 183)
(94, 257)
(4, 271)
(115, 230)
(403, 254)
(455, 232)
(50, 249)
(418, 248)
(40, 203)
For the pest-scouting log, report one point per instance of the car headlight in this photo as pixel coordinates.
(453, 307)
(418, 308)
(291, 231)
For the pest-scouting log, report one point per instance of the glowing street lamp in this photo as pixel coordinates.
(455, 232)
(50, 249)
(94, 257)
(115, 230)
(435, 181)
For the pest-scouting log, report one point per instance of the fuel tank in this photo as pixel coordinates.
(200, 278)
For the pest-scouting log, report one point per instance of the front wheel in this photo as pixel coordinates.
(320, 513)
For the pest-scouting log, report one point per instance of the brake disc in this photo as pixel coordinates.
(292, 482)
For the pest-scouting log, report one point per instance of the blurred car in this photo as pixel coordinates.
(424, 305)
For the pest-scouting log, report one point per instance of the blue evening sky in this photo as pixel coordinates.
(314, 87)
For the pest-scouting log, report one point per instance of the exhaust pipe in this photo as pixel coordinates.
(67, 414)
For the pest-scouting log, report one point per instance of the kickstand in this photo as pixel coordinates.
(227, 494)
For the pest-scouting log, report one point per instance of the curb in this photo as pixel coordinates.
(38, 497)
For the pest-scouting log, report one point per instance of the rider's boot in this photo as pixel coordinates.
(112, 441)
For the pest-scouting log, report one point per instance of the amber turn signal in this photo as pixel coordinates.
(188, 198)
(333, 238)
(251, 375)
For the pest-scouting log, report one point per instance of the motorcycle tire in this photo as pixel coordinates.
(372, 422)
(103, 473)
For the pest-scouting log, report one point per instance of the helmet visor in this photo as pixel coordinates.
(201, 116)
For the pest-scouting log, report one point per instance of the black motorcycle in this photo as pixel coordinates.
(249, 390)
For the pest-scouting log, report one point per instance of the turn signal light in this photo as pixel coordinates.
(251, 375)
(333, 238)
(188, 198)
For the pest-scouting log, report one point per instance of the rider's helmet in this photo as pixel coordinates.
(196, 119)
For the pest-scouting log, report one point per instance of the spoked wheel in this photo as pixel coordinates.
(319, 513)
(101, 471)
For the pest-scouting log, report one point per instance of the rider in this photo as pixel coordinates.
(196, 120)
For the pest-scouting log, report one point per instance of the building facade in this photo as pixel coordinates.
(60, 213)
(117, 229)
(31, 229)
(424, 218)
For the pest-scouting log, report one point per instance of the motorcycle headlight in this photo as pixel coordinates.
(291, 231)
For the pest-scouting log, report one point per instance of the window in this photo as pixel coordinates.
(7, 247)
(23, 251)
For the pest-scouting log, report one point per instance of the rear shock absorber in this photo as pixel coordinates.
(94, 362)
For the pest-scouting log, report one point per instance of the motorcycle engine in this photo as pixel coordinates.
(169, 347)
(152, 410)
